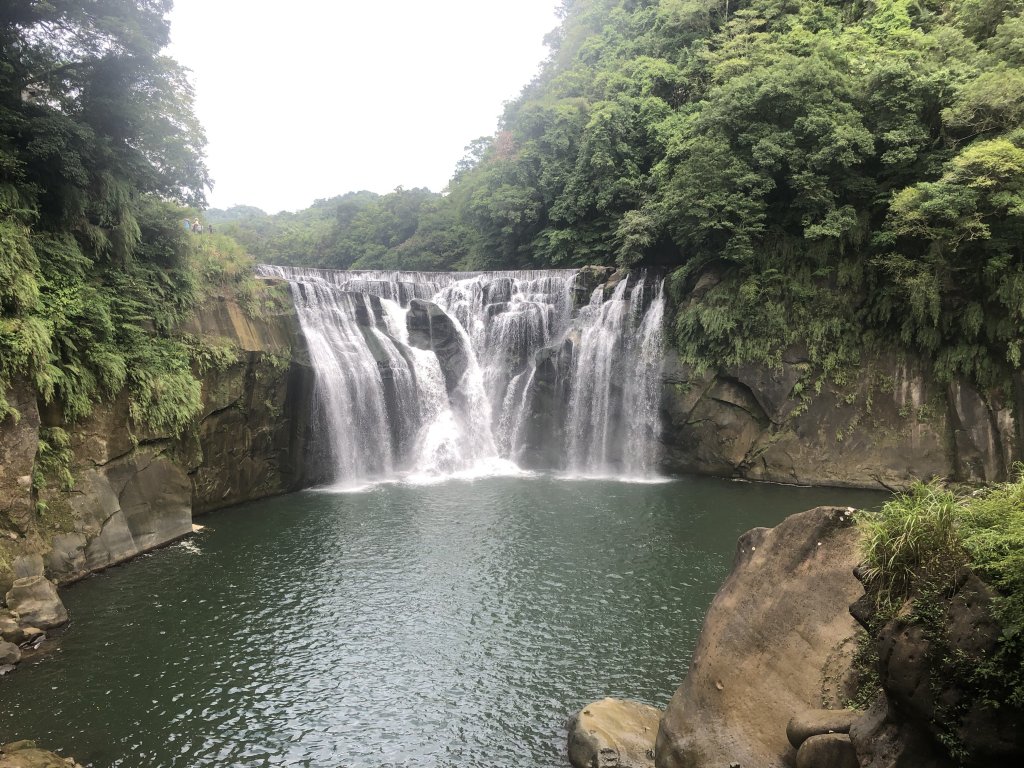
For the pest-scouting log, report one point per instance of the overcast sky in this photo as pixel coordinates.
(307, 99)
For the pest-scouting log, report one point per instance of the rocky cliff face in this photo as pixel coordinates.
(931, 657)
(775, 666)
(891, 424)
(135, 490)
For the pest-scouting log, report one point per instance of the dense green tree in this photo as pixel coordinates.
(822, 173)
(99, 152)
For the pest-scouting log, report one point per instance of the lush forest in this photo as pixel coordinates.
(834, 175)
(101, 160)
(826, 173)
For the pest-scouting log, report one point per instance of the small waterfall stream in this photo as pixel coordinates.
(425, 375)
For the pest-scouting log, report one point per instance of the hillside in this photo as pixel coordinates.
(834, 175)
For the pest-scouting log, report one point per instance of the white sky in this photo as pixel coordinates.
(305, 99)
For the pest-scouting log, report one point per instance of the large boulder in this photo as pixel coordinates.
(37, 603)
(9, 653)
(776, 634)
(10, 629)
(613, 733)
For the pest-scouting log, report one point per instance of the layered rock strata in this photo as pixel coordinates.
(890, 424)
(135, 489)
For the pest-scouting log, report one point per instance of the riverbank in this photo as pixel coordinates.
(819, 652)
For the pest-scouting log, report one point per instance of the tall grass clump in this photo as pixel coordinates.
(914, 538)
(918, 544)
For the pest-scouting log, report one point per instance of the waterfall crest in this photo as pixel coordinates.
(426, 375)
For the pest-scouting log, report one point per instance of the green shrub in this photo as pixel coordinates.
(915, 546)
(53, 460)
(914, 537)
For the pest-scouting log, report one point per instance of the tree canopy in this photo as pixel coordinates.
(99, 152)
(832, 173)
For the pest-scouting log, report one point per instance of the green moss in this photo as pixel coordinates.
(866, 682)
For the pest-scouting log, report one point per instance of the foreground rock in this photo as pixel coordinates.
(613, 733)
(923, 672)
(10, 630)
(25, 754)
(829, 750)
(884, 738)
(777, 639)
(819, 721)
(9, 653)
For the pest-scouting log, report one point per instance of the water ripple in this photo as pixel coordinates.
(450, 625)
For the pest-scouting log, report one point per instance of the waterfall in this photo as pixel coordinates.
(424, 375)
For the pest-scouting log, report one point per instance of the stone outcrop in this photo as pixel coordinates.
(830, 750)
(19, 440)
(543, 432)
(776, 637)
(613, 733)
(32, 600)
(777, 645)
(126, 506)
(883, 738)
(587, 279)
(890, 424)
(10, 629)
(36, 602)
(817, 722)
(9, 653)
(253, 437)
(922, 674)
(25, 754)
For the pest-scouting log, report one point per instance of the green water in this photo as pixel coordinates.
(448, 625)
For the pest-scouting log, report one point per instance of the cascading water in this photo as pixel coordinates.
(429, 374)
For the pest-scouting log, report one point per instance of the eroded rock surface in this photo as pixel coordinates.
(19, 439)
(829, 750)
(886, 427)
(817, 722)
(136, 489)
(25, 754)
(431, 328)
(884, 739)
(131, 505)
(36, 602)
(613, 733)
(776, 630)
(923, 678)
